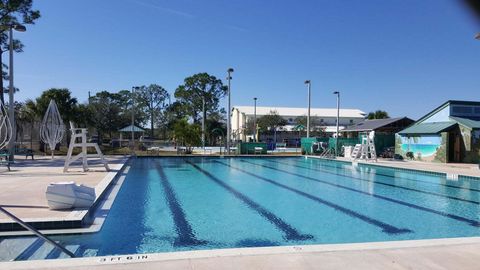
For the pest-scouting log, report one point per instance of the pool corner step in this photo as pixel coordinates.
(12, 248)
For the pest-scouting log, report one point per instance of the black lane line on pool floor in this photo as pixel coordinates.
(470, 222)
(290, 232)
(387, 228)
(399, 177)
(381, 183)
(186, 236)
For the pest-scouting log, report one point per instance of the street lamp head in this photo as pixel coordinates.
(230, 70)
(254, 98)
(336, 93)
(15, 26)
(307, 82)
(19, 27)
(477, 36)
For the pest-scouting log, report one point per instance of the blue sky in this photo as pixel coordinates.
(403, 56)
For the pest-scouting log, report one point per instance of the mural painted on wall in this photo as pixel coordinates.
(424, 148)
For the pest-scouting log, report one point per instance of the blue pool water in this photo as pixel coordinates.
(173, 204)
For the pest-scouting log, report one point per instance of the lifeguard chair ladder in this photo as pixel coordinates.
(81, 133)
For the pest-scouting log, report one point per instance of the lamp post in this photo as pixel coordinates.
(11, 90)
(203, 122)
(338, 120)
(229, 112)
(254, 119)
(133, 115)
(309, 84)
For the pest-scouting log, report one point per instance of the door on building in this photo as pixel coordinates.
(458, 148)
(454, 147)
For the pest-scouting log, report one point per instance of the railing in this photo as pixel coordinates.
(37, 233)
(329, 153)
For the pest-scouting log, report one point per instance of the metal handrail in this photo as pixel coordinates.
(37, 233)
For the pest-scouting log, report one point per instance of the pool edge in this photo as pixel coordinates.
(235, 252)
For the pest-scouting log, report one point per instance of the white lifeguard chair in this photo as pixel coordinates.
(81, 133)
(366, 150)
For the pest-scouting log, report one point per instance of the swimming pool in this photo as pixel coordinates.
(177, 204)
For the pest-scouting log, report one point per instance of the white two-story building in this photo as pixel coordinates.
(321, 118)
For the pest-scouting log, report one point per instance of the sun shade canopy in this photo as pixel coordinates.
(129, 129)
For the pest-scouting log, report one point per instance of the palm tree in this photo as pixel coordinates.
(378, 114)
(27, 114)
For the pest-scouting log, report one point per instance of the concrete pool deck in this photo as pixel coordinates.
(23, 188)
(447, 168)
(454, 253)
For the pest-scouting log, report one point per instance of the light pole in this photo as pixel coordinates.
(254, 119)
(133, 115)
(11, 90)
(338, 120)
(229, 109)
(204, 115)
(309, 85)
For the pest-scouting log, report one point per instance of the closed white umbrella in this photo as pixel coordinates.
(52, 128)
(5, 127)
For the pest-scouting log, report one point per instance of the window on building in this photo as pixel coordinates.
(462, 109)
(351, 121)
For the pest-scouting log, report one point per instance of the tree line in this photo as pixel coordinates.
(105, 112)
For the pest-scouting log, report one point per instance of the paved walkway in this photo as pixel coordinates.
(22, 190)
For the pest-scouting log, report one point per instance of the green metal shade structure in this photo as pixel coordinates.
(130, 128)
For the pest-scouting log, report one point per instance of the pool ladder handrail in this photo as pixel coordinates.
(328, 153)
(37, 233)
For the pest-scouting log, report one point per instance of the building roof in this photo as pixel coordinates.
(428, 128)
(466, 122)
(372, 124)
(328, 129)
(446, 103)
(129, 129)
(314, 112)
